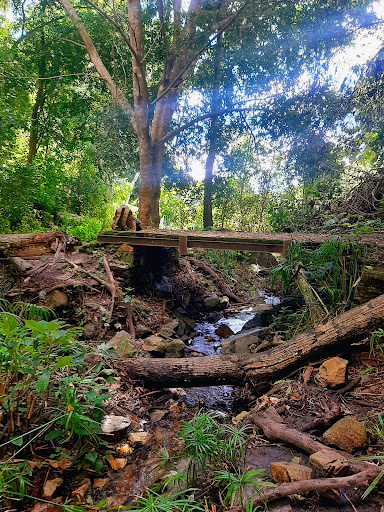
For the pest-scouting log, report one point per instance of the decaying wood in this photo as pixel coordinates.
(274, 430)
(218, 281)
(35, 244)
(106, 284)
(362, 479)
(263, 367)
(114, 287)
(316, 308)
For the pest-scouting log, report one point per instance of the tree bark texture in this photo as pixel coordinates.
(261, 368)
(35, 244)
(213, 136)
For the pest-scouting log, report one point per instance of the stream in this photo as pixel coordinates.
(206, 340)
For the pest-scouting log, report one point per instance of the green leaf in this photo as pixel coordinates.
(53, 435)
(98, 466)
(43, 382)
(63, 361)
(369, 155)
(18, 441)
(35, 326)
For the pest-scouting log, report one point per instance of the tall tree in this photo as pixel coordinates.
(192, 32)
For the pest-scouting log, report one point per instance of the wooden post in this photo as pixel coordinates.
(183, 245)
(286, 245)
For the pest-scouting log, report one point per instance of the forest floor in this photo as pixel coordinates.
(141, 445)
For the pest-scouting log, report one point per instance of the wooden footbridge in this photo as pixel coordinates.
(225, 240)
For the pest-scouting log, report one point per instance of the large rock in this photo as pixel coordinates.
(224, 331)
(175, 348)
(263, 259)
(115, 426)
(56, 299)
(347, 434)
(289, 472)
(239, 343)
(155, 344)
(211, 302)
(328, 463)
(371, 284)
(332, 373)
(186, 324)
(123, 344)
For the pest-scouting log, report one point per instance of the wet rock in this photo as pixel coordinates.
(122, 343)
(115, 426)
(89, 331)
(239, 343)
(325, 462)
(140, 437)
(142, 331)
(175, 348)
(224, 331)
(211, 302)
(56, 299)
(215, 316)
(332, 373)
(155, 344)
(347, 434)
(186, 324)
(50, 487)
(158, 415)
(289, 472)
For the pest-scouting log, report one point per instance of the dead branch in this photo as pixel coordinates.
(106, 285)
(219, 283)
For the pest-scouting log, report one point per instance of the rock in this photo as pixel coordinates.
(371, 284)
(155, 344)
(224, 331)
(56, 299)
(280, 506)
(239, 343)
(332, 373)
(263, 259)
(50, 487)
(89, 330)
(215, 316)
(289, 472)
(140, 437)
(224, 302)
(175, 348)
(325, 462)
(115, 426)
(123, 344)
(158, 415)
(347, 434)
(142, 331)
(186, 324)
(169, 329)
(211, 302)
(21, 264)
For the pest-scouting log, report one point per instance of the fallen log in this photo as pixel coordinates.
(274, 430)
(35, 244)
(334, 336)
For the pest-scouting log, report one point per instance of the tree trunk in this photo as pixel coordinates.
(262, 367)
(213, 135)
(35, 244)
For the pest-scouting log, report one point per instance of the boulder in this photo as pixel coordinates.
(289, 472)
(211, 302)
(175, 348)
(224, 331)
(155, 344)
(169, 329)
(123, 344)
(239, 343)
(56, 299)
(263, 259)
(332, 373)
(348, 434)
